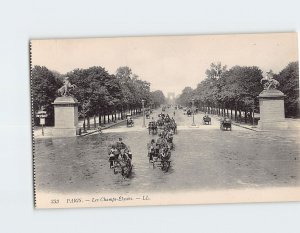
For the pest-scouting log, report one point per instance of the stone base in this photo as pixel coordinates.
(64, 132)
(273, 125)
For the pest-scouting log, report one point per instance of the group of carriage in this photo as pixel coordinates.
(159, 151)
(164, 122)
(225, 122)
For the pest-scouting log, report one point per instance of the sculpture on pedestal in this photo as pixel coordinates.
(269, 82)
(65, 112)
(65, 89)
(271, 105)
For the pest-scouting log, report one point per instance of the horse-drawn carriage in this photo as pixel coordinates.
(171, 126)
(206, 120)
(189, 112)
(225, 124)
(152, 127)
(160, 157)
(129, 121)
(147, 115)
(121, 163)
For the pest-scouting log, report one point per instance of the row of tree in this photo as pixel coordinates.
(233, 92)
(100, 94)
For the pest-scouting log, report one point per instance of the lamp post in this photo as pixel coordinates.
(143, 105)
(193, 108)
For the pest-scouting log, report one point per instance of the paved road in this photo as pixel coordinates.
(205, 158)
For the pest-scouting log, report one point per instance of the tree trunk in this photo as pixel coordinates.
(88, 123)
(84, 129)
(95, 123)
(235, 112)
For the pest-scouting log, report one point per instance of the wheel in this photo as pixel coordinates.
(168, 166)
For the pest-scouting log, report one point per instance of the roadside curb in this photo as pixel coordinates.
(105, 127)
(245, 127)
(239, 125)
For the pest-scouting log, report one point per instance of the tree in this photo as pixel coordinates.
(97, 91)
(186, 96)
(44, 88)
(157, 98)
(289, 85)
(224, 89)
(216, 70)
(133, 89)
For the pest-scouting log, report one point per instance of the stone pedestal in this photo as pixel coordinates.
(65, 117)
(271, 104)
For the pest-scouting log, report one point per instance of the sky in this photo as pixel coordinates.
(169, 63)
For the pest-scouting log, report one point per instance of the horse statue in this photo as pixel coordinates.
(269, 82)
(65, 89)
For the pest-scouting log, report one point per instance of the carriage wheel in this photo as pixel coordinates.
(168, 166)
(163, 166)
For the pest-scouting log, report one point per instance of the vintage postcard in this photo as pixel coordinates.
(165, 120)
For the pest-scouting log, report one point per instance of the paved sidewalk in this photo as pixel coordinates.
(48, 130)
(107, 126)
(293, 124)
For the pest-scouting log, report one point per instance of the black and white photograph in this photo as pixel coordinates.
(165, 120)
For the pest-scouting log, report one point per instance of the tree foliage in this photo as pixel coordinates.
(239, 87)
(44, 91)
(289, 85)
(98, 92)
(158, 98)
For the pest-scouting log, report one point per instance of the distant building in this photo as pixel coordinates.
(171, 98)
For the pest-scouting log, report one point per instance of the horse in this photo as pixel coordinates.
(269, 82)
(64, 90)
